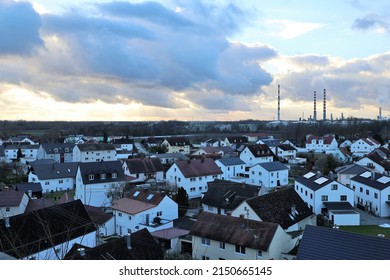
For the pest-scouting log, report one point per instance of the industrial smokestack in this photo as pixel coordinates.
(315, 107)
(324, 104)
(380, 113)
(278, 103)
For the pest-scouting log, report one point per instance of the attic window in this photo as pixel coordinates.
(114, 175)
(91, 177)
(136, 194)
(150, 196)
(102, 176)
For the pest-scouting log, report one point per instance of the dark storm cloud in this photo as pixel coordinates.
(19, 28)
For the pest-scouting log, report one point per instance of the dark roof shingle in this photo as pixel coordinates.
(198, 167)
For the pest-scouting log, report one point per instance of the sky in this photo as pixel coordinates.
(90, 60)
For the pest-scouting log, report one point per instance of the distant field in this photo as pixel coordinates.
(368, 230)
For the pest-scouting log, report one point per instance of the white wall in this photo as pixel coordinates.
(53, 184)
(15, 210)
(261, 177)
(250, 160)
(93, 156)
(345, 219)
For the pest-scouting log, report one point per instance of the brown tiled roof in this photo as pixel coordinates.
(375, 157)
(238, 231)
(145, 195)
(170, 233)
(198, 167)
(144, 165)
(138, 201)
(327, 139)
(10, 198)
(98, 217)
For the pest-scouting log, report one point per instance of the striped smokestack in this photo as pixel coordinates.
(324, 104)
(315, 107)
(278, 103)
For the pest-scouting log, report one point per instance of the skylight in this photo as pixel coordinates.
(384, 180)
(309, 175)
(321, 180)
(366, 174)
(150, 196)
(136, 194)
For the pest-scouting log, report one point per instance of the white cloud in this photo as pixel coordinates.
(290, 29)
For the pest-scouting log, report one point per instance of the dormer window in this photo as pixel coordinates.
(55, 150)
(91, 177)
(102, 176)
(114, 175)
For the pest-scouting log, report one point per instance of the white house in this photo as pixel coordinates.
(220, 237)
(59, 152)
(193, 175)
(144, 209)
(372, 192)
(28, 151)
(364, 146)
(232, 168)
(54, 176)
(21, 139)
(123, 144)
(144, 169)
(256, 153)
(177, 145)
(268, 175)
(284, 207)
(345, 144)
(323, 194)
(340, 154)
(12, 203)
(284, 151)
(378, 160)
(319, 144)
(346, 172)
(97, 182)
(94, 152)
(48, 233)
(221, 151)
(169, 158)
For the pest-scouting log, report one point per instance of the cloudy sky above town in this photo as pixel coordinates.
(192, 60)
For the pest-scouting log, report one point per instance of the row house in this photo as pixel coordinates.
(21, 139)
(256, 153)
(284, 151)
(169, 158)
(193, 175)
(232, 168)
(29, 151)
(98, 182)
(143, 208)
(123, 144)
(284, 207)
(235, 140)
(372, 193)
(221, 237)
(320, 144)
(364, 146)
(94, 152)
(143, 169)
(328, 197)
(221, 151)
(59, 152)
(222, 196)
(177, 145)
(378, 160)
(346, 172)
(54, 176)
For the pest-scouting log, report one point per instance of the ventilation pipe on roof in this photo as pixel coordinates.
(372, 175)
(30, 193)
(318, 174)
(6, 220)
(81, 251)
(128, 241)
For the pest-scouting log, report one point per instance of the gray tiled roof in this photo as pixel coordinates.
(322, 243)
(10, 198)
(351, 169)
(58, 148)
(55, 170)
(231, 161)
(101, 167)
(311, 184)
(96, 147)
(276, 207)
(372, 182)
(144, 165)
(273, 166)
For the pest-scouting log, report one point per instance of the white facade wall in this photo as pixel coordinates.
(142, 176)
(344, 219)
(108, 228)
(14, 210)
(93, 156)
(314, 199)
(230, 171)
(194, 186)
(374, 199)
(167, 210)
(250, 160)
(318, 145)
(58, 184)
(88, 240)
(369, 163)
(280, 243)
(284, 154)
(68, 156)
(176, 149)
(361, 148)
(261, 177)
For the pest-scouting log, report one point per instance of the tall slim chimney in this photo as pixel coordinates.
(315, 106)
(380, 113)
(324, 104)
(278, 103)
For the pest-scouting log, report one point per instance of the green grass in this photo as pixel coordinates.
(367, 230)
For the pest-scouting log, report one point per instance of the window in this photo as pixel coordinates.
(7, 209)
(205, 258)
(311, 196)
(179, 179)
(210, 208)
(159, 213)
(200, 188)
(129, 218)
(324, 198)
(259, 253)
(47, 183)
(361, 189)
(343, 198)
(376, 195)
(297, 187)
(388, 197)
(191, 179)
(129, 231)
(240, 249)
(222, 245)
(205, 241)
(60, 181)
(367, 192)
(334, 187)
(91, 177)
(114, 175)
(102, 176)
(120, 214)
(306, 193)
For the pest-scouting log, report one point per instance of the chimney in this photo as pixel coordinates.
(81, 251)
(318, 174)
(324, 104)
(315, 106)
(278, 103)
(380, 113)
(6, 220)
(128, 241)
(29, 192)
(372, 175)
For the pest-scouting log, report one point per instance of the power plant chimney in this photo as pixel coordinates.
(278, 103)
(324, 104)
(380, 113)
(315, 106)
